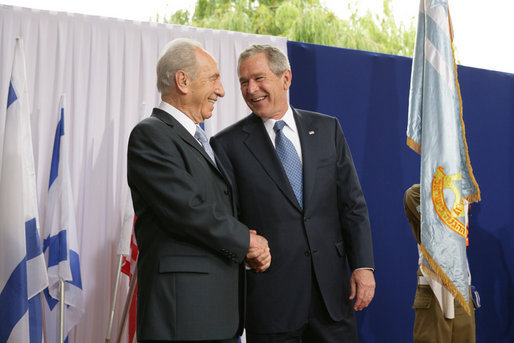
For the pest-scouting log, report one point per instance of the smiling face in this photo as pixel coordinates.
(264, 92)
(205, 88)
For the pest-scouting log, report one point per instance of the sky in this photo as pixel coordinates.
(483, 30)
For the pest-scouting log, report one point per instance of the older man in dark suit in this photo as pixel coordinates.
(297, 186)
(191, 248)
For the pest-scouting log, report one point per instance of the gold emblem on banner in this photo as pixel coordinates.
(447, 216)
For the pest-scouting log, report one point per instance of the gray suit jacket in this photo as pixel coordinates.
(315, 242)
(191, 248)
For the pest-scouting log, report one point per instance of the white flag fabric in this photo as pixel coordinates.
(127, 225)
(60, 241)
(22, 265)
(436, 131)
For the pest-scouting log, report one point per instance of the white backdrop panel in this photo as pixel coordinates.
(106, 67)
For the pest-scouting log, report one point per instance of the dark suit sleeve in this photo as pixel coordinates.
(165, 184)
(352, 207)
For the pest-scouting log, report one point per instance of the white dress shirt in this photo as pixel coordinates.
(179, 116)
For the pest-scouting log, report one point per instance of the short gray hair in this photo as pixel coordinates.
(179, 54)
(277, 60)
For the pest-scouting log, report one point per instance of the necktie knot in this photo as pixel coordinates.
(279, 125)
(201, 135)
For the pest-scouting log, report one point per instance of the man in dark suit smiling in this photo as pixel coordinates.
(191, 248)
(296, 184)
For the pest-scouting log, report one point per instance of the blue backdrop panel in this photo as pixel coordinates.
(368, 93)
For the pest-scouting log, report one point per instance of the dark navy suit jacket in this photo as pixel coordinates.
(314, 242)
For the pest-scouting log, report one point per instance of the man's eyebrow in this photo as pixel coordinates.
(241, 79)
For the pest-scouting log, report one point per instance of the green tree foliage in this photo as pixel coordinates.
(305, 21)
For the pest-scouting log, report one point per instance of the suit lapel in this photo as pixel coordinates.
(308, 135)
(259, 144)
(223, 172)
(180, 131)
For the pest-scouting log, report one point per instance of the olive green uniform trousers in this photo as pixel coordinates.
(430, 325)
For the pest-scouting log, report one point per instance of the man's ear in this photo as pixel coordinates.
(182, 81)
(286, 79)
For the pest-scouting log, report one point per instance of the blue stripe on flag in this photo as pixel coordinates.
(36, 319)
(76, 279)
(51, 301)
(54, 169)
(13, 300)
(75, 269)
(11, 97)
(58, 248)
(32, 239)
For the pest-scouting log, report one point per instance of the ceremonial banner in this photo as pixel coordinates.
(60, 243)
(22, 264)
(436, 130)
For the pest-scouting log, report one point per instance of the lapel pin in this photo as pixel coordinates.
(311, 132)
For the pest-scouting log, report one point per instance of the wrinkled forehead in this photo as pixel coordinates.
(206, 62)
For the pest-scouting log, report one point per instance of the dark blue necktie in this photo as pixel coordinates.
(290, 160)
(202, 137)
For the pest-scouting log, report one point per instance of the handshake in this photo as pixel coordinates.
(258, 256)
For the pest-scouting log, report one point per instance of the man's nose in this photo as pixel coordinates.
(220, 91)
(252, 86)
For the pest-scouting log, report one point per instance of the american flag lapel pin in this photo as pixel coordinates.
(312, 132)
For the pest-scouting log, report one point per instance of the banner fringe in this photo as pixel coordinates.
(475, 197)
(414, 145)
(438, 272)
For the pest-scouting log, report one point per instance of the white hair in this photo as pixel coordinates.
(179, 54)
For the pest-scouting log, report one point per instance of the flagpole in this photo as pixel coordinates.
(126, 307)
(43, 313)
(114, 297)
(61, 315)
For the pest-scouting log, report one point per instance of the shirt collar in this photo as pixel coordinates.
(184, 120)
(288, 118)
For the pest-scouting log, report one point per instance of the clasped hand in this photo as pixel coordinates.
(258, 256)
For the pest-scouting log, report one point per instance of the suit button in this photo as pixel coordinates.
(227, 192)
(305, 219)
(307, 253)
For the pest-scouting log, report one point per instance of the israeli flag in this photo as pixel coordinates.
(22, 264)
(60, 241)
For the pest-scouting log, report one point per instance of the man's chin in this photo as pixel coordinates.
(206, 115)
(258, 112)
(262, 114)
